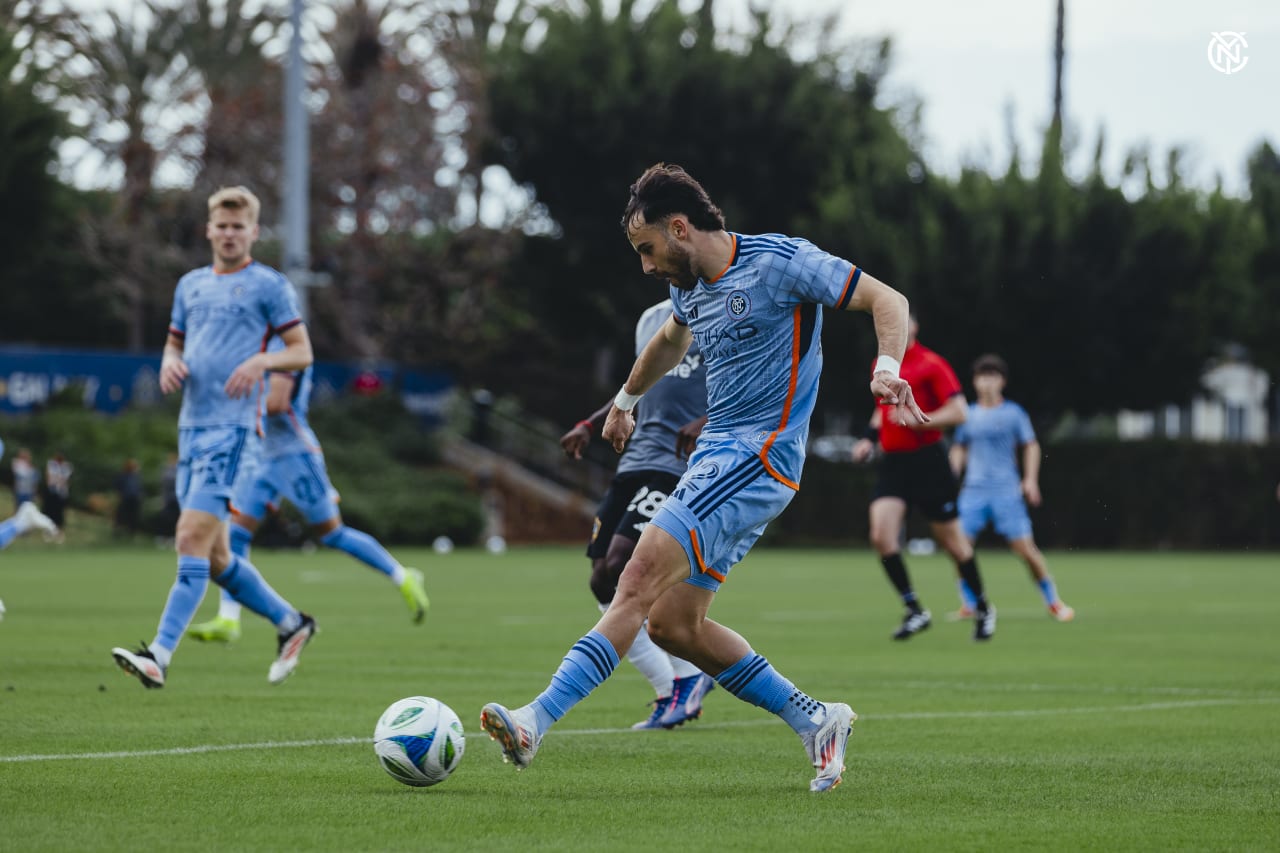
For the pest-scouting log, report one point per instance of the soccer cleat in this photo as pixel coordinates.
(984, 623)
(660, 707)
(1, 610)
(414, 590)
(686, 699)
(140, 663)
(826, 745)
(515, 731)
(1062, 611)
(28, 516)
(913, 623)
(217, 630)
(291, 646)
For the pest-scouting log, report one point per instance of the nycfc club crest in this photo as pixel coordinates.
(738, 304)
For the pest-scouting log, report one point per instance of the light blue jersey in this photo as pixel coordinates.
(676, 399)
(992, 436)
(759, 327)
(223, 319)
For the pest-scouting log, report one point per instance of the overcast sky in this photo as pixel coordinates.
(1138, 68)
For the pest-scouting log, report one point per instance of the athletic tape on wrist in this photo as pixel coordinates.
(626, 402)
(889, 363)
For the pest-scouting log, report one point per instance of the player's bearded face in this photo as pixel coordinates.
(676, 266)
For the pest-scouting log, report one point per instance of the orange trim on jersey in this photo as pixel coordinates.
(697, 555)
(786, 407)
(844, 294)
(246, 263)
(733, 256)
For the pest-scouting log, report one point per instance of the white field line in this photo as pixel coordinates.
(763, 721)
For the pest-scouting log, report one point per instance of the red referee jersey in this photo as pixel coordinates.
(933, 383)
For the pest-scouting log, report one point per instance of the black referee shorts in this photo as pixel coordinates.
(922, 478)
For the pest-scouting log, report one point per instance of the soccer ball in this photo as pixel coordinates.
(419, 741)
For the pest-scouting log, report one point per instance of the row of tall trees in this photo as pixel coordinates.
(1099, 298)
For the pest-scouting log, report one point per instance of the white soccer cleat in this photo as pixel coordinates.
(826, 745)
(29, 517)
(141, 664)
(291, 646)
(1, 610)
(1062, 611)
(515, 731)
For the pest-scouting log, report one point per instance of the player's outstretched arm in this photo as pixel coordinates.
(891, 315)
(663, 352)
(576, 440)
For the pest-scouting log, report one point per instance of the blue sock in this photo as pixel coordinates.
(8, 531)
(1048, 590)
(754, 680)
(240, 539)
(966, 595)
(591, 660)
(249, 588)
(364, 548)
(184, 600)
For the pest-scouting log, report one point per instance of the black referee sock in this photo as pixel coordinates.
(897, 572)
(969, 574)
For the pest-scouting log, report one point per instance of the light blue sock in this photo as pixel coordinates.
(1048, 590)
(364, 548)
(967, 596)
(9, 531)
(591, 660)
(248, 587)
(240, 539)
(753, 679)
(184, 600)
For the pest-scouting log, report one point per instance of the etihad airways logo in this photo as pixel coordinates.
(687, 367)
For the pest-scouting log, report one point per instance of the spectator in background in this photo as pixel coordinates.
(57, 488)
(129, 505)
(26, 478)
(169, 490)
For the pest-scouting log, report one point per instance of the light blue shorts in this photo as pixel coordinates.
(720, 507)
(1003, 508)
(300, 478)
(210, 461)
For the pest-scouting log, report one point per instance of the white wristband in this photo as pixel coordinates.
(889, 363)
(626, 402)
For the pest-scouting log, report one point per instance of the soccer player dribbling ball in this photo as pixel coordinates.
(754, 305)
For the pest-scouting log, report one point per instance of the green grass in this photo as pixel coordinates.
(1150, 723)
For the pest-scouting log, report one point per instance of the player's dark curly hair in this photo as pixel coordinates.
(664, 190)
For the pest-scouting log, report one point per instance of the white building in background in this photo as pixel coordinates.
(1233, 407)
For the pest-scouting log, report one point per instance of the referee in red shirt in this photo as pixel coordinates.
(914, 472)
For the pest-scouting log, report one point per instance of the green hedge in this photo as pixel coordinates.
(1154, 494)
(379, 458)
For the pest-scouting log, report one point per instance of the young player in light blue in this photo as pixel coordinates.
(223, 315)
(754, 305)
(985, 450)
(292, 466)
(667, 428)
(28, 517)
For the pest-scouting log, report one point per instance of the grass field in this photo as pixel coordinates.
(1150, 723)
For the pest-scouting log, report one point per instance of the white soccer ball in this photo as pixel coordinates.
(419, 741)
(442, 545)
(495, 545)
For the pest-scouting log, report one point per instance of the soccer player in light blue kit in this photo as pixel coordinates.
(28, 517)
(754, 305)
(292, 467)
(667, 429)
(986, 449)
(223, 316)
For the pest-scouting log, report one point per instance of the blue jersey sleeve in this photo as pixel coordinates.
(280, 304)
(676, 310)
(812, 275)
(1026, 432)
(178, 316)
